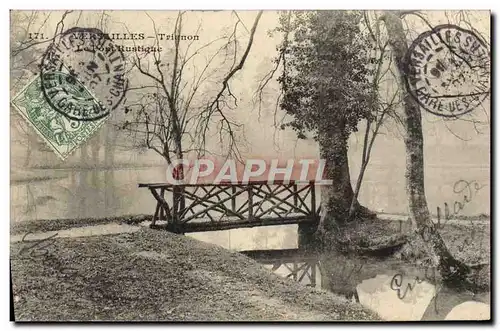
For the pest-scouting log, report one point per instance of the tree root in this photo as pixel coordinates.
(364, 212)
(475, 278)
(452, 272)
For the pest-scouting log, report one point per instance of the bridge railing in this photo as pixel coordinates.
(205, 207)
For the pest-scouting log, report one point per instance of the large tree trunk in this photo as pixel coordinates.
(336, 199)
(450, 268)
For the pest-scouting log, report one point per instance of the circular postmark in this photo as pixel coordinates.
(448, 70)
(83, 74)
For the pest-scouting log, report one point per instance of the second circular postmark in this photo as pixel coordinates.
(448, 70)
(83, 74)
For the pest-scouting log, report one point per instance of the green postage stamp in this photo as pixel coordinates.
(61, 133)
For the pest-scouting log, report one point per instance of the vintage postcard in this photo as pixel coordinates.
(319, 165)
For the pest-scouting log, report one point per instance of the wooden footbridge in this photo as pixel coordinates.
(211, 207)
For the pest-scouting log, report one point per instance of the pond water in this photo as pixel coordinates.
(395, 290)
(100, 193)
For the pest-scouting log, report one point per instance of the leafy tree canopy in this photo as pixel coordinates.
(325, 78)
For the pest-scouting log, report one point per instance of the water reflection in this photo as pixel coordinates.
(299, 265)
(86, 193)
(94, 195)
(367, 280)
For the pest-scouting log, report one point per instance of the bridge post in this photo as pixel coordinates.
(177, 209)
(250, 202)
(233, 199)
(305, 232)
(295, 199)
(162, 211)
(175, 202)
(305, 235)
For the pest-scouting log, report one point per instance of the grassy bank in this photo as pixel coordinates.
(468, 241)
(68, 223)
(155, 275)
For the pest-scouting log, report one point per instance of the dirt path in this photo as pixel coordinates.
(156, 275)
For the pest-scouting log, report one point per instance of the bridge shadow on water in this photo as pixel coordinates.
(334, 272)
(396, 290)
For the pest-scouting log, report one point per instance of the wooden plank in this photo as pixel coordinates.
(281, 255)
(205, 202)
(256, 194)
(162, 201)
(295, 200)
(155, 216)
(247, 223)
(250, 202)
(306, 272)
(182, 200)
(208, 195)
(276, 206)
(289, 269)
(211, 207)
(233, 200)
(302, 200)
(281, 187)
(243, 205)
(174, 205)
(209, 216)
(220, 208)
(282, 201)
(195, 199)
(296, 270)
(162, 210)
(268, 197)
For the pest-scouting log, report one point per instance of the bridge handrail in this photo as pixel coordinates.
(229, 183)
